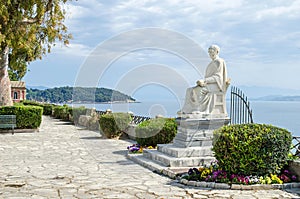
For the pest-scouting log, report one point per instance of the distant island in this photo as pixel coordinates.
(77, 95)
(278, 98)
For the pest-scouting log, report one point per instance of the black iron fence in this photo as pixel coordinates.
(240, 111)
(101, 112)
(296, 146)
(136, 119)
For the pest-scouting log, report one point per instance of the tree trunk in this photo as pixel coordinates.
(5, 89)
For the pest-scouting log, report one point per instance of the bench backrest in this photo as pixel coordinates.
(8, 121)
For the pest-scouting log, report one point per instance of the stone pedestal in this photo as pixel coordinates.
(191, 146)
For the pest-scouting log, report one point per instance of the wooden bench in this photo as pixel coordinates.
(8, 122)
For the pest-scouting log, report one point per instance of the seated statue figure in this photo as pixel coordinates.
(207, 98)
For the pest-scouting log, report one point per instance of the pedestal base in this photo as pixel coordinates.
(191, 146)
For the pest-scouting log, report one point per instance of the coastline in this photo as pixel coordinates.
(109, 102)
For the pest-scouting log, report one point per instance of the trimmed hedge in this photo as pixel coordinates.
(112, 125)
(76, 112)
(252, 149)
(62, 112)
(156, 131)
(48, 108)
(27, 117)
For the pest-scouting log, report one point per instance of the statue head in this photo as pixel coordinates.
(213, 51)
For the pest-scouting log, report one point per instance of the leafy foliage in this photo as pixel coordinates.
(27, 117)
(47, 108)
(62, 112)
(156, 131)
(112, 125)
(76, 94)
(251, 149)
(29, 28)
(76, 112)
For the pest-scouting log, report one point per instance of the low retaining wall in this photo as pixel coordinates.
(89, 122)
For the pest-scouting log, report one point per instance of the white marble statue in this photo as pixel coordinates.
(207, 98)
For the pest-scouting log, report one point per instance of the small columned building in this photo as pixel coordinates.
(18, 91)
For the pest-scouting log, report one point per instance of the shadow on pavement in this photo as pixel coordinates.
(121, 152)
(92, 138)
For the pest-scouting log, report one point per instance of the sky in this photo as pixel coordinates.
(150, 48)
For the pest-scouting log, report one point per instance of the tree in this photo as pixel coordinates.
(28, 30)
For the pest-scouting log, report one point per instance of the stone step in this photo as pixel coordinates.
(194, 136)
(200, 142)
(175, 151)
(157, 167)
(195, 132)
(169, 161)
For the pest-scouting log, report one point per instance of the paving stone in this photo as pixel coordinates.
(198, 196)
(64, 161)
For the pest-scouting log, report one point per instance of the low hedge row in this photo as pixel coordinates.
(47, 108)
(112, 125)
(27, 117)
(76, 112)
(148, 133)
(156, 131)
(63, 112)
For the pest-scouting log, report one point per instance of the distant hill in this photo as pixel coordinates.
(36, 87)
(77, 94)
(256, 92)
(278, 98)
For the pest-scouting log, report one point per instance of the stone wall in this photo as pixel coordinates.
(90, 120)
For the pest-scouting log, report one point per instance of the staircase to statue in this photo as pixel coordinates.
(191, 147)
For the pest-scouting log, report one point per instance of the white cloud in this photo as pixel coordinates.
(286, 11)
(73, 49)
(250, 33)
(83, 9)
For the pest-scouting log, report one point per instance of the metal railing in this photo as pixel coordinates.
(240, 111)
(101, 112)
(296, 146)
(136, 119)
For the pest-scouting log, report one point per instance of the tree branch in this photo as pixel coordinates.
(49, 5)
(36, 19)
(30, 21)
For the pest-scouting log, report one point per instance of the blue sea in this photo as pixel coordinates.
(285, 114)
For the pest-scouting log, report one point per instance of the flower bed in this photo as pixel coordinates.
(213, 174)
(136, 148)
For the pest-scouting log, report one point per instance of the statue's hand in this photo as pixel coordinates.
(201, 83)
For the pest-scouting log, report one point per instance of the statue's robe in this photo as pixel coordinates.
(201, 99)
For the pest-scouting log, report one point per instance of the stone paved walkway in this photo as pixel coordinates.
(64, 161)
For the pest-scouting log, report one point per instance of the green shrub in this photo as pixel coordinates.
(62, 112)
(48, 108)
(156, 131)
(112, 125)
(251, 149)
(31, 103)
(27, 117)
(77, 111)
